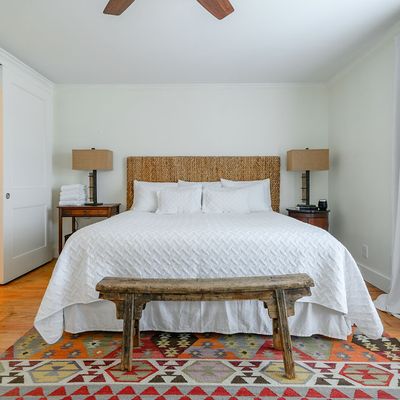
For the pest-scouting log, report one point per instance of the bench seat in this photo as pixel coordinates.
(215, 285)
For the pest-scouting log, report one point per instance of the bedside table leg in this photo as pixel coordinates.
(60, 237)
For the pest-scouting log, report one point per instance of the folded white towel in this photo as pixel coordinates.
(75, 191)
(80, 193)
(72, 197)
(71, 203)
(77, 186)
(71, 191)
(81, 189)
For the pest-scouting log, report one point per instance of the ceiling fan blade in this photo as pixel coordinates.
(117, 7)
(219, 8)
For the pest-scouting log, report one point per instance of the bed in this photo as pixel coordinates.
(144, 244)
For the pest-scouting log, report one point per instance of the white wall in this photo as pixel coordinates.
(361, 176)
(188, 120)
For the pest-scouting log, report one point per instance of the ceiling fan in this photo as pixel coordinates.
(219, 8)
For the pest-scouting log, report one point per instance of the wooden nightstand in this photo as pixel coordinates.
(316, 218)
(102, 211)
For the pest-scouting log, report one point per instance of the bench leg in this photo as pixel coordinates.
(136, 334)
(284, 333)
(126, 359)
(276, 335)
(139, 306)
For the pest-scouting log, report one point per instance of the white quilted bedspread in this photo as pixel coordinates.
(138, 244)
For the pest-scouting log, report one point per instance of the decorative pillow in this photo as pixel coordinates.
(179, 200)
(146, 194)
(259, 192)
(226, 200)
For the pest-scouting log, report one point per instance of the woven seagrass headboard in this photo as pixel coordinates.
(197, 169)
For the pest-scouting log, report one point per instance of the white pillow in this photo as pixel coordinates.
(260, 193)
(216, 184)
(179, 200)
(145, 194)
(225, 200)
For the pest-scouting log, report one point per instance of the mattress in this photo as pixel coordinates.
(148, 245)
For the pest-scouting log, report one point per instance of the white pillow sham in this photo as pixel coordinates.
(225, 200)
(184, 200)
(259, 192)
(145, 194)
(216, 184)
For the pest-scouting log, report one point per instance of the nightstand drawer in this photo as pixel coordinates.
(320, 222)
(98, 212)
(92, 211)
(316, 218)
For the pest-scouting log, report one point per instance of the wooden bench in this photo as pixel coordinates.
(278, 293)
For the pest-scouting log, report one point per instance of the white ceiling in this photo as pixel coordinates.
(177, 41)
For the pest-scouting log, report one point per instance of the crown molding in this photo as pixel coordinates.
(138, 86)
(8, 59)
(390, 34)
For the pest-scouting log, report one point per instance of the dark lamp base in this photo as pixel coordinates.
(94, 204)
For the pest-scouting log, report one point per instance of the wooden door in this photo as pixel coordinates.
(26, 194)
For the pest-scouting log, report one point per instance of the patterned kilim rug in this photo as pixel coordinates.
(199, 366)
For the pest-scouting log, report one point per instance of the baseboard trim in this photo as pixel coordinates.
(375, 278)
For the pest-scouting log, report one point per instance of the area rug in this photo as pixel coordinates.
(184, 366)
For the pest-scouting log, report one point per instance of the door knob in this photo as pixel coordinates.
(8, 196)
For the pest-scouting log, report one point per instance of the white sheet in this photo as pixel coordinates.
(147, 245)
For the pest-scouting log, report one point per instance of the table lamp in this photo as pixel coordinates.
(92, 160)
(307, 160)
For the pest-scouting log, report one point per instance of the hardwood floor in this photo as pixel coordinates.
(20, 299)
(19, 302)
(391, 324)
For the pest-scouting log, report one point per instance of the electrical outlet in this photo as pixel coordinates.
(364, 251)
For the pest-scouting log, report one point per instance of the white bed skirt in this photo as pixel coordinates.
(222, 317)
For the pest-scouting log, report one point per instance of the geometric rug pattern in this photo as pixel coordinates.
(199, 366)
